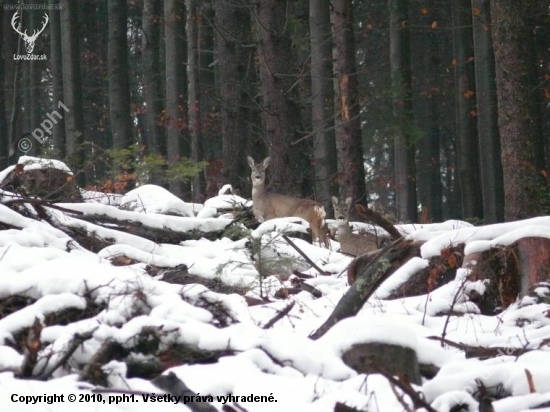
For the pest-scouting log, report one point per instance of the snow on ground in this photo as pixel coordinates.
(156, 199)
(52, 272)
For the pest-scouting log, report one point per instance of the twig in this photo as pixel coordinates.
(530, 381)
(307, 259)
(279, 315)
(79, 339)
(301, 275)
(453, 303)
(406, 387)
(174, 386)
(377, 219)
(480, 351)
(32, 347)
(300, 284)
(40, 202)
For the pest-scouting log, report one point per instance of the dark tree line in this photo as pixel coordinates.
(425, 110)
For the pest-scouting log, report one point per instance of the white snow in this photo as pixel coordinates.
(51, 273)
(32, 163)
(156, 199)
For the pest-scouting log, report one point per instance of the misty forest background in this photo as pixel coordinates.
(423, 109)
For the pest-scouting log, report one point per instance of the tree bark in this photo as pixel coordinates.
(281, 114)
(517, 110)
(4, 143)
(400, 61)
(207, 81)
(194, 99)
(119, 83)
(492, 190)
(58, 131)
(151, 75)
(322, 105)
(34, 84)
(177, 140)
(427, 111)
(72, 87)
(348, 122)
(233, 31)
(466, 127)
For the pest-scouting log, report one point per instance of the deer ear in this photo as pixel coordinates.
(250, 161)
(266, 162)
(334, 200)
(348, 201)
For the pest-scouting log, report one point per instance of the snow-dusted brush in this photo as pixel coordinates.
(268, 205)
(351, 243)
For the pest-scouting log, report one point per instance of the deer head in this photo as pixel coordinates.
(258, 170)
(29, 40)
(341, 210)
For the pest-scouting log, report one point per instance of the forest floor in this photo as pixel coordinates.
(117, 298)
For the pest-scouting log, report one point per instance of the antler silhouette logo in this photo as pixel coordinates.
(29, 40)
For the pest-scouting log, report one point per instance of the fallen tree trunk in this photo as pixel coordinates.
(376, 218)
(369, 278)
(154, 234)
(441, 270)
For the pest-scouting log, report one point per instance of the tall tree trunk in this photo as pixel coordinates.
(14, 122)
(322, 105)
(26, 88)
(152, 77)
(466, 127)
(539, 23)
(400, 56)
(542, 40)
(281, 115)
(4, 141)
(518, 116)
(177, 142)
(119, 83)
(233, 32)
(34, 84)
(207, 81)
(487, 116)
(58, 131)
(72, 88)
(194, 105)
(349, 140)
(427, 105)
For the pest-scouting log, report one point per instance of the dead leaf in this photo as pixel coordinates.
(468, 94)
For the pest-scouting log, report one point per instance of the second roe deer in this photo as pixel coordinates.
(351, 243)
(266, 205)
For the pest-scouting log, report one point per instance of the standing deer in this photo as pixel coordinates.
(271, 205)
(351, 243)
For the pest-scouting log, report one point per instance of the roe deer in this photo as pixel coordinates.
(266, 205)
(351, 243)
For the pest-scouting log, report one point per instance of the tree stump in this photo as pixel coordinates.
(395, 360)
(511, 271)
(534, 262)
(44, 182)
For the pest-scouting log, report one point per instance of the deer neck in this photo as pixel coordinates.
(344, 228)
(258, 190)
